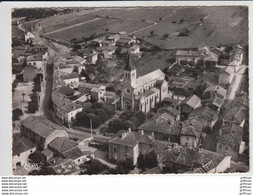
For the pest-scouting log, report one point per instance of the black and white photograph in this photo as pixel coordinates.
(130, 90)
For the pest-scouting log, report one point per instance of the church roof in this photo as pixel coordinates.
(155, 75)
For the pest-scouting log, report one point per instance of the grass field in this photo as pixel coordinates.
(219, 24)
(99, 26)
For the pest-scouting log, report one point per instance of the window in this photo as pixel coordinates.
(78, 160)
(18, 154)
(31, 151)
(220, 146)
(114, 149)
(187, 138)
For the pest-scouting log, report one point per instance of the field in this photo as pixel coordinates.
(210, 25)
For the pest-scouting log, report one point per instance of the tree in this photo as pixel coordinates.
(82, 119)
(150, 160)
(16, 114)
(152, 33)
(96, 121)
(101, 113)
(135, 121)
(165, 36)
(141, 161)
(32, 107)
(116, 125)
(129, 124)
(160, 19)
(140, 116)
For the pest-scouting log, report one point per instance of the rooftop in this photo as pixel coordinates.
(70, 76)
(217, 89)
(206, 112)
(187, 53)
(192, 101)
(62, 144)
(130, 139)
(155, 75)
(164, 128)
(40, 125)
(22, 145)
(34, 58)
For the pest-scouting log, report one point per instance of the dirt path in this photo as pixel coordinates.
(74, 25)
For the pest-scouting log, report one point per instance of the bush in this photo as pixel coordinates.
(124, 167)
(101, 113)
(140, 116)
(16, 114)
(150, 160)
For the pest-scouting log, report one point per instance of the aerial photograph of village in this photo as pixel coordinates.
(130, 90)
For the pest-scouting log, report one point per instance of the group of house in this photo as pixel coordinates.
(202, 114)
(52, 142)
(30, 58)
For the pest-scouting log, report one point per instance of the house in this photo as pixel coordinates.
(208, 56)
(35, 60)
(125, 41)
(230, 141)
(29, 37)
(135, 49)
(41, 131)
(71, 80)
(90, 56)
(97, 92)
(64, 109)
(174, 103)
(190, 104)
(67, 91)
(213, 91)
(21, 150)
(142, 93)
(196, 160)
(161, 131)
(191, 134)
(235, 115)
(226, 76)
(204, 114)
(129, 145)
(68, 149)
(171, 114)
(29, 73)
(187, 56)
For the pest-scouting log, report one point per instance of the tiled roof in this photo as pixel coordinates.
(231, 134)
(192, 101)
(66, 91)
(22, 145)
(235, 115)
(130, 139)
(229, 70)
(171, 111)
(74, 153)
(155, 75)
(217, 89)
(187, 53)
(191, 156)
(174, 102)
(40, 125)
(70, 76)
(62, 144)
(164, 128)
(34, 58)
(65, 104)
(206, 112)
(191, 129)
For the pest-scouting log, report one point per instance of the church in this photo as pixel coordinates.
(144, 92)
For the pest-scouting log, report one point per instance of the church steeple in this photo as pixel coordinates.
(130, 70)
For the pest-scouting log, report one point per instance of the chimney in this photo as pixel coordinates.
(123, 135)
(142, 132)
(129, 130)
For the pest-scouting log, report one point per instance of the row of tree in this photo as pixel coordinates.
(98, 113)
(128, 119)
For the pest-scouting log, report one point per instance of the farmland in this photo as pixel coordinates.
(208, 25)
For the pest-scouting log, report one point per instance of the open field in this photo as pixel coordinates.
(209, 25)
(99, 26)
